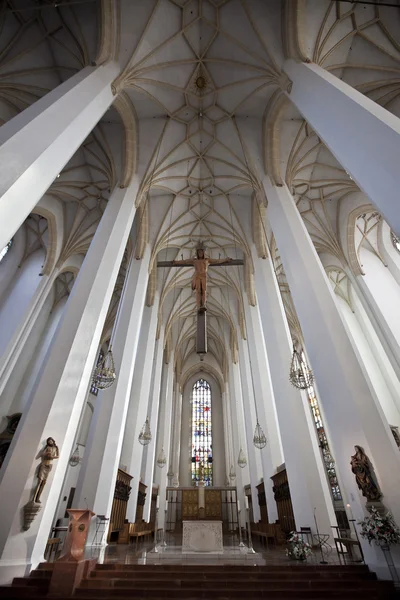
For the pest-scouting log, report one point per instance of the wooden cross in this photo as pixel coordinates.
(199, 283)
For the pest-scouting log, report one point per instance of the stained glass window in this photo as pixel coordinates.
(5, 250)
(323, 441)
(201, 432)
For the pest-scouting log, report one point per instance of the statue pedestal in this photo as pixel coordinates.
(202, 536)
(71, 567)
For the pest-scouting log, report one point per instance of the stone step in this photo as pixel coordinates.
(290, 566)
(42, 583)
(227, 593)
(253, 575)
(239, 585)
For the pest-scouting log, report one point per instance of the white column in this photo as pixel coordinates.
(309, 489)
(239, 435)
(352, 415)
(272, 455)
(57, 402)
(253, 454)
(21, 334)
(36, 144)
(363, 136)
(132, 450)
(96, 482)
(164, 436)
(177, 425)
(150, 450)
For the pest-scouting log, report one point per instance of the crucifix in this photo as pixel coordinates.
(200, 262)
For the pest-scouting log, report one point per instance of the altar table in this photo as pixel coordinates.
(202, 536)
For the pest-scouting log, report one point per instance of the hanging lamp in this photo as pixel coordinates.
(75, 457)
(301, 376)
(232, 474)
(145, 434)
(242, 460)
(259, 438)
(161, 459)
(104, 374)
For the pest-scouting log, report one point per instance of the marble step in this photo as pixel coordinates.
(254, 576)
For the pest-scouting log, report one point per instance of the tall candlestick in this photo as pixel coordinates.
(166, 505)
(238, 506)
(158, 502)
(246, 502)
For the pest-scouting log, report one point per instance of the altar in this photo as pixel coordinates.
(202, 536)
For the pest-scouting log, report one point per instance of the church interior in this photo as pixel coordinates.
(199, 299)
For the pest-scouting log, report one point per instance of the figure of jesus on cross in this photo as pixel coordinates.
(199, 280)
(200, 262)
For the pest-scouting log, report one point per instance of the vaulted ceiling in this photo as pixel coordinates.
(193, 72)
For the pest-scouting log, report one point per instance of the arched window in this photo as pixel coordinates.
(5, 250)
(201, 432)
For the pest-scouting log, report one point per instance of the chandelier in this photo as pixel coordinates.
(162, 459)
(259, 439)
(104, 373)
(242, 460)
(232, 474)
(145, 434)
(300, 374)
(75, 457)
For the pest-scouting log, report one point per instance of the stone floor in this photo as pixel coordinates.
(145, 553)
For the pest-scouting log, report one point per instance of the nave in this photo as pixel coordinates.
(199, 282)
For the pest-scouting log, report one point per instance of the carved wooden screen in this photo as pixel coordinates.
(120, 502)
(283, 501)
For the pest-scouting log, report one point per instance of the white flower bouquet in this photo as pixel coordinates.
(380, 529)
(297, 547)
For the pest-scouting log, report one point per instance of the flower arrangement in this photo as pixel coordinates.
(297, 547)
(380, 529)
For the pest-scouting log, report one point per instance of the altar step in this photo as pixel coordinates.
(216, 582)
(221, 582)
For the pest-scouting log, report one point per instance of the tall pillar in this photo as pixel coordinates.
(177, 425)
(97, 476)
(249, 412)
(164, 435)
(150, 450)
(57, 401)
(309, 488)
(352, 414)
(132, 450)
(36, 144)
(239, 435)
(363, 136)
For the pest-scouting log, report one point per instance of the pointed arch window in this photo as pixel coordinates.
(202, 432)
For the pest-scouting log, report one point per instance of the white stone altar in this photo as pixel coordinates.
(202, 536)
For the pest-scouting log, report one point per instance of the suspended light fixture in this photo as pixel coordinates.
(259, 438)
(75, 457)
(300, 374)
(232, 474)
(161, 459)
(145, 434)
(242, 460)
(104, 374)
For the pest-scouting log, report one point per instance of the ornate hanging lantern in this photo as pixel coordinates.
(145, 434)
(232, 474)
(259, 438)
(242, 460)
(300, 375)
(104, 374)
(162, 459)
(75, 457)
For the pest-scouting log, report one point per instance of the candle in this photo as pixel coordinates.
(246, 502)
(166, 505)
(238, 506)
(158, 502)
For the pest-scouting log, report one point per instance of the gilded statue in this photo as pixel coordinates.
(199, 280)
(47, 455)
(363, 470)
